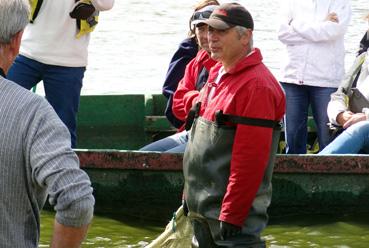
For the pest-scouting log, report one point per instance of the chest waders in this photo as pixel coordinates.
(206, 168)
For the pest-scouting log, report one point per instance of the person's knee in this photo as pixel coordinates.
(360, 128)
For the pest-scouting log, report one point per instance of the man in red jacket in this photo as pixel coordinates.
(229, 158)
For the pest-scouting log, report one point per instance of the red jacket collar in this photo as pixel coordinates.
(251, 60)
(204, 58)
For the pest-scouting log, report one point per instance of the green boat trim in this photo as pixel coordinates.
(128, 122)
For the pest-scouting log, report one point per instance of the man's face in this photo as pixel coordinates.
(227, 45)
(201, 31)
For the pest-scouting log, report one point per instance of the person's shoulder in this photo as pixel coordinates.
(201, 55)
(12, 92)
(189, 44)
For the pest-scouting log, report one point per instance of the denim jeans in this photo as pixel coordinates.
(62, 87)
(299, 98)
(353, 140)
(175, 143)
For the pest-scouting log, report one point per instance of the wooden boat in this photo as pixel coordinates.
(149, 184)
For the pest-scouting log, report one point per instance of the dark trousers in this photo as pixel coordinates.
(62, 87)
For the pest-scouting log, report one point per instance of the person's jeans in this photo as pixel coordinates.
(299, 98)
(175, 143)
(353, 140)
(62, 87)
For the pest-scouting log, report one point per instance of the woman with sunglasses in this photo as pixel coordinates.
(186, 51)
(195, 75)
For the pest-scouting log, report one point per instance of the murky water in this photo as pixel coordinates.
(288, 232)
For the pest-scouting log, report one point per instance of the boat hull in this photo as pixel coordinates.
(149, 185)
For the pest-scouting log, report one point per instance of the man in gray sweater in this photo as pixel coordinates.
(35, 155)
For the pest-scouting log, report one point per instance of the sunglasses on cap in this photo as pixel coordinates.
(202, 14)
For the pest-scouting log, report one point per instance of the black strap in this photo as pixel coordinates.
(2, 73)
(192, 115)
(356, 79)
(221, 118)
(37, 9)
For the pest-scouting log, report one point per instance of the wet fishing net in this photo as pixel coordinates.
(177, 234)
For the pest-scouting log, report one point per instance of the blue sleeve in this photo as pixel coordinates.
(186, 52)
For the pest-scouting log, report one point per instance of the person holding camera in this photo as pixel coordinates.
(54, 49)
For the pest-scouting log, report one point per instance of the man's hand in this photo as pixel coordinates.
(332, 17)
(70, 237)
(228, 230)
(82, 11)
(355, 118)
(343, 117)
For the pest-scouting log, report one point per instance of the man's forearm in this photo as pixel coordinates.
(70, 237)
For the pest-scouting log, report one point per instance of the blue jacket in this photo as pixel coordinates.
(186, 51)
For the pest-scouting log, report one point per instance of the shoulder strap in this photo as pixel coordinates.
(351, 76)
(221, 118)
(192, 115)
(35, 8)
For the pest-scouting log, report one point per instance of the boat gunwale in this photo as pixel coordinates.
(157, 161)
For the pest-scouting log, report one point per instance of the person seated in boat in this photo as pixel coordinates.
(186, 51)
(195, 76)
(36, 158)
(344, 113)
(229, 157)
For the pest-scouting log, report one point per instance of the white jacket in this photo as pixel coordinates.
(51, 39)
(315, 47)
(339, 102)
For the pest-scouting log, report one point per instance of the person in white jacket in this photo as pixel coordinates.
(54, 49)
(313, 34)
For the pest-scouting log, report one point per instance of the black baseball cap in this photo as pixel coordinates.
(228, 15)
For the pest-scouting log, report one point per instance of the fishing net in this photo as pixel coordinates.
(177, 234)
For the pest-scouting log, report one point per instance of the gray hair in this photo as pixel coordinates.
(241, 31)
(14, 17)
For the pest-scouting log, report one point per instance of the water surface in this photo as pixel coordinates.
(287, 232)
(132, 46)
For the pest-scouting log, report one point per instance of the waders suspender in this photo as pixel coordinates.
(221, 118)
(35, 8)
(192, 115)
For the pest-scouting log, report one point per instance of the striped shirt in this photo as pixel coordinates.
(36, 161)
